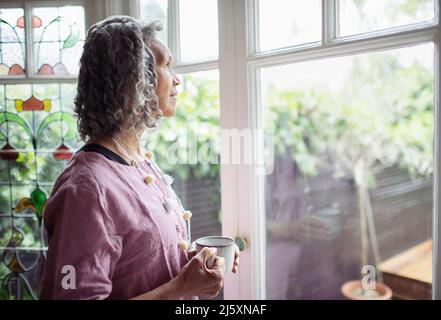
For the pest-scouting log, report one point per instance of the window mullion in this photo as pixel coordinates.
(173, 29)
(196, 66)
(345, 48)
(236, 179)
(28, 41)
(132, 8)
(38, 80)
(253, 27)
(436, 253)
(329, 21)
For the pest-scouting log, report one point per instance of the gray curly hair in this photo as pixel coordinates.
(117, 78)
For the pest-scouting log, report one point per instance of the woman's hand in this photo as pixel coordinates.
(196, 279)
(236, 259)
(192, 252)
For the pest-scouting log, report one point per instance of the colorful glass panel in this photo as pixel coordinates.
(59, 40)
(37, 136)
(36, 22)
(12, 44)
(15, 70)
(33, 104)
(62, 153)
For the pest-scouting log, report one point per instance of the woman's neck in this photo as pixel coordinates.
(127, 146)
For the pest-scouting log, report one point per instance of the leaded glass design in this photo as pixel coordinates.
(12, 42)
(58, 39)
(37, 136)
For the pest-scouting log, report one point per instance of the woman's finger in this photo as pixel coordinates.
(236, 265)
(236, 259)
(218, 268)
(191, 253)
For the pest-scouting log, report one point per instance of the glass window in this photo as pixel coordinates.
(352, 181)
(360, 16)
(285, 23)
(38, 134)
(37, 137)
(198, 33)
(187, 147)
(12, 42)
(152, 10)
(59, 34)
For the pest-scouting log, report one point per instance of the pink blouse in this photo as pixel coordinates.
(107, 223)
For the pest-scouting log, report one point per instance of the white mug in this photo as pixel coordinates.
(225, 248)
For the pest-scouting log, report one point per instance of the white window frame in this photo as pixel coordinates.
(239, 64)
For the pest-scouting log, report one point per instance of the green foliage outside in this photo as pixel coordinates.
(383, 114)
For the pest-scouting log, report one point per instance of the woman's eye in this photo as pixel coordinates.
(170, 67)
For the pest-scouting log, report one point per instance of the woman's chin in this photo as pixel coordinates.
(169, 112)
(168, 107)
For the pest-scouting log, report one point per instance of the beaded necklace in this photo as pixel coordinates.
(170, 203)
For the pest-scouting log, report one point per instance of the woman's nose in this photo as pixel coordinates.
(176, 80)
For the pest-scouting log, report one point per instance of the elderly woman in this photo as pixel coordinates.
(116, 228)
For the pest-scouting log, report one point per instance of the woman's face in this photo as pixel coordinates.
(167, 79)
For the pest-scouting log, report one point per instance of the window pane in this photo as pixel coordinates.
(37, 115)
(59, 34)
(194, 163)
(359, 16)
(195, 125)
(285, 23)
(152, 10)
(12, 38)
(199, 35)
(187, 145)
(352, 179)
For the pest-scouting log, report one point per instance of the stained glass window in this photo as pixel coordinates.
(38, 134)
(59, 34)
(12, 46)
